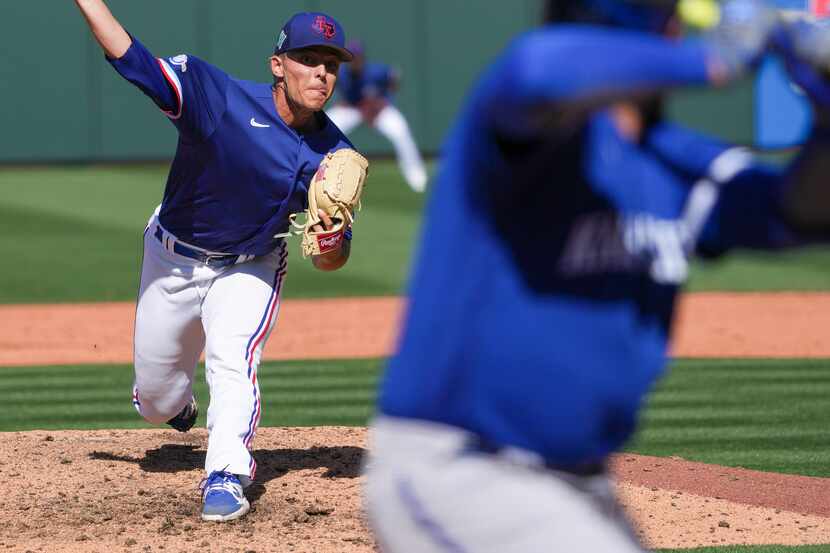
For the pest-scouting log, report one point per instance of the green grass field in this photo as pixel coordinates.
(761, 414)
(74, 234)
(77, 235)
(297, 393)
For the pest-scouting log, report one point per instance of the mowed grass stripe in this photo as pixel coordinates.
(97, 416)
(83, 376)
(760, 414)
(308, 393)
(323, 394)
(21, 387)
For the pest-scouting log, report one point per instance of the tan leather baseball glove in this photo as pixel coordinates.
(336, 189)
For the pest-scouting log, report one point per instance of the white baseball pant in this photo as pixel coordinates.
(391, 123)
(186, 307)
(427, 492)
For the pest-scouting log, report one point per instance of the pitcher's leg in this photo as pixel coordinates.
(239, 312)
(391, 123)
(168, 335)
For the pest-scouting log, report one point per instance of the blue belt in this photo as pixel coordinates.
(211, 260)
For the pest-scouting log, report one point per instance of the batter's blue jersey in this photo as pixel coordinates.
(239, 170)
(375, 81)
(553, 247)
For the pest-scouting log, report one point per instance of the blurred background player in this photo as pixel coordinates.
(364, 96)
(555, 243)
(214, 261)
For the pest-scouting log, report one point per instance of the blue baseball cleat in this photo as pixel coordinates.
(186, 418)
(222, 497)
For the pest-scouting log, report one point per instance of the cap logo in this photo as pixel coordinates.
(281, 39)
(324, 27)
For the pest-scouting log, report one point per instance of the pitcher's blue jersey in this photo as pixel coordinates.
(239, 170)
(375, 81)
(542, 295)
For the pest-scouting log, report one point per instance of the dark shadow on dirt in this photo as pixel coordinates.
(339, 462)
(167, 458)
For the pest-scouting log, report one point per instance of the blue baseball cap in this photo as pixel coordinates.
(307, 29)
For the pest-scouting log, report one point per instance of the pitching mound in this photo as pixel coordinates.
(119, 490)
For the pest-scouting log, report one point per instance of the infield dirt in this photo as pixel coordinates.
(118, 490)
(708, 325)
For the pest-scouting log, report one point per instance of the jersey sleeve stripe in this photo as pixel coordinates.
(175, 84)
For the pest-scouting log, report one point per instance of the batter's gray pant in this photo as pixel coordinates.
(428, 492)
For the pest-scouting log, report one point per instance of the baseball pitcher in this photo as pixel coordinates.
(249, 157)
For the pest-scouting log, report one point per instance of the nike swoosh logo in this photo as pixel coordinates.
(260, 125)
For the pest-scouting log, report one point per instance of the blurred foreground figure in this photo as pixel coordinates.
(554, 245)
(365, 93)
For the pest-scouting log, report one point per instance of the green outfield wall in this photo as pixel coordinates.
(62, 102)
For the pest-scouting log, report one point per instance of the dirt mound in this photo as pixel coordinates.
(119, 490)
(137, 491)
